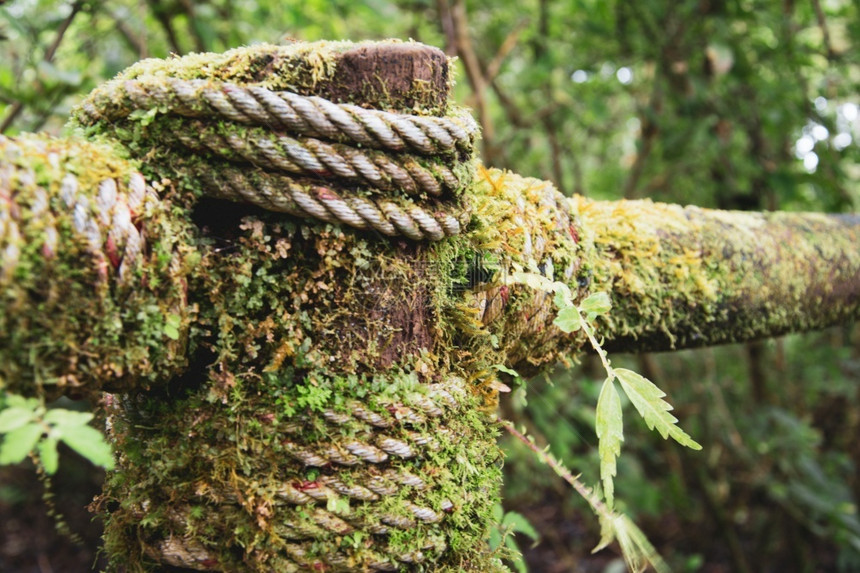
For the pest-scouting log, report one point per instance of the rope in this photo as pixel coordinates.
(386, 498)
(85, 241)
(306, 115)
(396, 174)
(105, 222)
(313, 157)
(275, 192)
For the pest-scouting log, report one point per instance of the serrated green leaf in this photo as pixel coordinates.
(648, 400)
(517, 523)
(19, 442)
(63, 417)
(610, 434)
(12, 418)
(48, 455)
(90, 443)
(596, 303)
(607, 531)
(637, 550)
(517, 560)
(568, 320)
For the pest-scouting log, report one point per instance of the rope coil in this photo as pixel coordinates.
(304, 115)
(397, 174)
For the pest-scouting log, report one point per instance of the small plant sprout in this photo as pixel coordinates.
(646, 397)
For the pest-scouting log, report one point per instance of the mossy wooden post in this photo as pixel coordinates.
(289, 394)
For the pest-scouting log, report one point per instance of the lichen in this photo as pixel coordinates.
(297, 396)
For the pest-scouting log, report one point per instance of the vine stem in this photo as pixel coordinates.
(583, 490)
(596, 345)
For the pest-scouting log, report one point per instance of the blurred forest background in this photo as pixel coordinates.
(736, 104)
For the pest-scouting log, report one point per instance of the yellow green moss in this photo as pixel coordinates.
(685, 276)
(324, 69)
(70, 321)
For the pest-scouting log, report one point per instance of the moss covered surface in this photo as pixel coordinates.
(334, 362)
(328, 396)
(327, 377)
(93, 290)
(391, 75)
(685, 276)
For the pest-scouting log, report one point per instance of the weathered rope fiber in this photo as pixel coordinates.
(275, 192)
(283, 145)
(305, 115)
(316, 158)
(90, 263)
(311, 503)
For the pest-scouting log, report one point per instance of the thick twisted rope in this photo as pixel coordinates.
(313, 157)
(90, 258)
(305, 115)
(397, 216)
(387, 496)
(105, 222)
(395, 174)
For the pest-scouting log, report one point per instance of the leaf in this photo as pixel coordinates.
(637, 550)
(568, 320)
(647, 398)
(15, 401)
(171, 326)
(607, 531)
(90, 443)
(562, 299)
(48, 455)
(517, 559)
(596, 303)
(19, 442)
(506, 370)
(12, 418)
(498, 513)
(66, 418)
(517, 523)
(610, 434)
(495, 538)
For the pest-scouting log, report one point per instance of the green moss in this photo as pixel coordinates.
(337, 409)
(80, 311)
(318, 68)
(684, 276)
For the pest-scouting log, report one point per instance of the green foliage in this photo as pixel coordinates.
(610, 434)
(645, 396)
(654, 410)
(637, 550)
(507, 524)
(30, 428)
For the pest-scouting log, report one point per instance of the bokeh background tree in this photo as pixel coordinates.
(736, 104)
